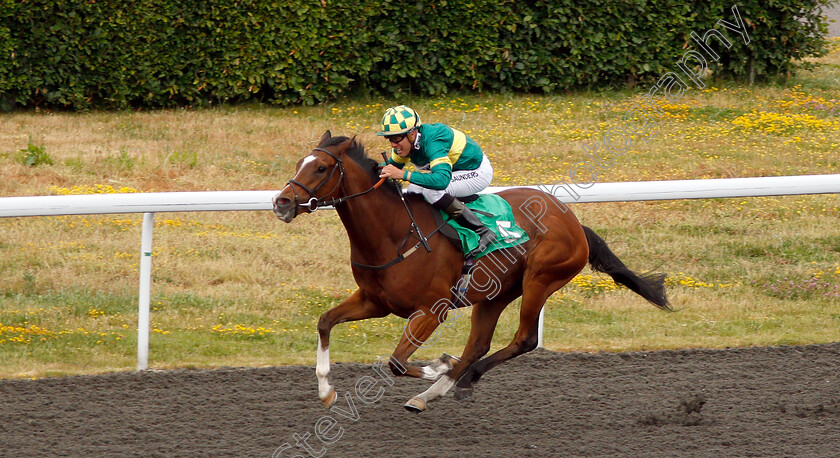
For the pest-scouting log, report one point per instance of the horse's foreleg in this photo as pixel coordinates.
(354, 308)
(525, 339)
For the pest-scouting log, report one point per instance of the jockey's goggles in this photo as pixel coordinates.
(397, 138)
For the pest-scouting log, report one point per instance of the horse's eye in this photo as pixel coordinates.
(322, 169)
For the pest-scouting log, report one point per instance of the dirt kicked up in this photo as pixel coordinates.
(737, 402)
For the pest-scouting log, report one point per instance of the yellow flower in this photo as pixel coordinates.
(95, 189)
(770, 122)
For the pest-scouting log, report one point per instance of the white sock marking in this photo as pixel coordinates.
(437, 389)
(322, 370)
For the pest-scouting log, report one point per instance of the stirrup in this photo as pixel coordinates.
(484, 241)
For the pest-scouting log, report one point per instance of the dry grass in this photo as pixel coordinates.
(245, 289)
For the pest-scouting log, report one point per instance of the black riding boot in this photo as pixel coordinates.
(466, 218)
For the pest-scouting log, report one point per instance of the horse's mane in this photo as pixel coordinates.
(356, 152)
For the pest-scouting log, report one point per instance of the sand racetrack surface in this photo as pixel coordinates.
(776, 401)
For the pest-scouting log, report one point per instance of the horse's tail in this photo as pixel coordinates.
(602, 259)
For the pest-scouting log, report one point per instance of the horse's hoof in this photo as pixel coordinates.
(462, 393)
(330, 399)
(415, 405)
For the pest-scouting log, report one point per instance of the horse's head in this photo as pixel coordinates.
(318, 177)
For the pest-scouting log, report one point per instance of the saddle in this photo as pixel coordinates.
(495, 213)
(449, 231)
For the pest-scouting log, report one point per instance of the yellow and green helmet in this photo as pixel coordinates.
(399, 120)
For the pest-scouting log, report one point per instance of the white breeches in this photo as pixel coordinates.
(464, 183)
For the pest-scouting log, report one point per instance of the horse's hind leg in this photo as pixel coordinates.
(484, 318)
(439, 367)
(525, 339)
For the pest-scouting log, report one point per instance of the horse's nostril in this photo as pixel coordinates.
(282, 201)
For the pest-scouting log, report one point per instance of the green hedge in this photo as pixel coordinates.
(114, 54)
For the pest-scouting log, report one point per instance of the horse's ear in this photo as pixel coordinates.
(347, 145)
(327, 135)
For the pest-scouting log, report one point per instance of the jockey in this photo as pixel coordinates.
(449, 165)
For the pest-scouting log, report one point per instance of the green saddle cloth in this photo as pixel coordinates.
(508, 234)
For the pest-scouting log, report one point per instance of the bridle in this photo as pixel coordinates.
(315, 202)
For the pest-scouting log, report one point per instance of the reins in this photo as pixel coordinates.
(334, 202)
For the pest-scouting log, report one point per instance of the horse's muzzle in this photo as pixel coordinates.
(284, 208)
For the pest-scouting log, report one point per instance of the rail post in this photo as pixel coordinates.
(145, 291)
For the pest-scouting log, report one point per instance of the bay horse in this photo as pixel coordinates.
(417, 286)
